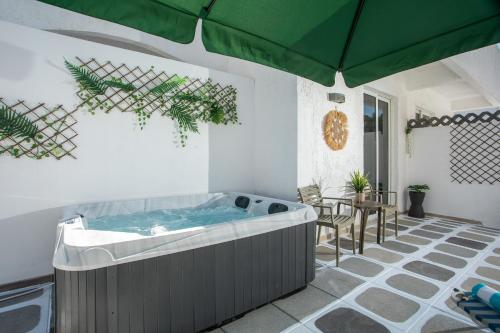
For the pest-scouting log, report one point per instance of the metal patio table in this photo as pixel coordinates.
(365, 207)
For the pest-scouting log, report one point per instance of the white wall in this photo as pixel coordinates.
(275, 118)
(315, 159)
(278, 147)
(481, 68)
(231, 161)
(276, 136)
(429, 101)
(258, 156)
(404, 103)
(115, 159)
(430, 165)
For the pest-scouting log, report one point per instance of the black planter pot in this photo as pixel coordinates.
(416, 209)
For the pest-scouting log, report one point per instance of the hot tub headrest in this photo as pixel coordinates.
(277, 208)
(242, 202)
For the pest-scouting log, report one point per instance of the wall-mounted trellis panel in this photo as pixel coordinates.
(49, 131)
(474, 145)
(475, 151)
(458, 119)
(143, 81)
(104, 86)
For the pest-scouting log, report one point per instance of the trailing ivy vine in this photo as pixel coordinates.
(171, 98)
(25, 136)
(409, 140)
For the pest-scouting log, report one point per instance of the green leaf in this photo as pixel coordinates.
(117, 83)
(419, 188)
(16, 125)
(217, 115)
(185, 119)
(89, 81)
(188, 97)
(359, 182)
(171, 84)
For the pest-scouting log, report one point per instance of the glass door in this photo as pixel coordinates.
(376, 140)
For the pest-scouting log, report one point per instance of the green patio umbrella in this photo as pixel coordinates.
(364, 39)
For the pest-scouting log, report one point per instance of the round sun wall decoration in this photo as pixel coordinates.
(335, 129)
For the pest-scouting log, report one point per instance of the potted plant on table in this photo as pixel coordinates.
(359, 183)
(417, 195)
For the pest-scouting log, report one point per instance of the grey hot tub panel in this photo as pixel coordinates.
(187, 291)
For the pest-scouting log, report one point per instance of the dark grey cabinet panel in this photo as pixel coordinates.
(187, 291)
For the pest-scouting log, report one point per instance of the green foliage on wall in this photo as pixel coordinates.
(36, 132)
(186, 101)
(15, 125)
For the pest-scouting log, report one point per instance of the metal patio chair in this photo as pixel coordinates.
(389, 199)
(390, 205)
(311, 195)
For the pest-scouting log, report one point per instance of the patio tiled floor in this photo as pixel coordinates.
(26, 309)
(403, 285)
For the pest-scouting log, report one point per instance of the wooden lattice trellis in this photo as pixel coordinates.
(139, 100)
(475, 152)
(54, 136)
(458, 119)
(474, 145)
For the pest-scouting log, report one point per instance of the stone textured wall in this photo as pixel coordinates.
(315, 159)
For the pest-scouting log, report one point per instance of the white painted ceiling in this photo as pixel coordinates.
(457, 89)
(442, 80)
(453, 82)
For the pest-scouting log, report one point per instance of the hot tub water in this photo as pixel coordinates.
(163, 220)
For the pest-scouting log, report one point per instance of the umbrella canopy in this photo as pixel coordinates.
(364, 39)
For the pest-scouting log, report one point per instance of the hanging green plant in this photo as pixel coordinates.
(186, 97)
(117, 83)
(15, 125)
(181, 99)
(87, 80)
(216, 113)
(185, 119)
(408, 140)
(167, 86)
(36, 133)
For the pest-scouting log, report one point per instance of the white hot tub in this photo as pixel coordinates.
(83, 247)
(192, 261)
